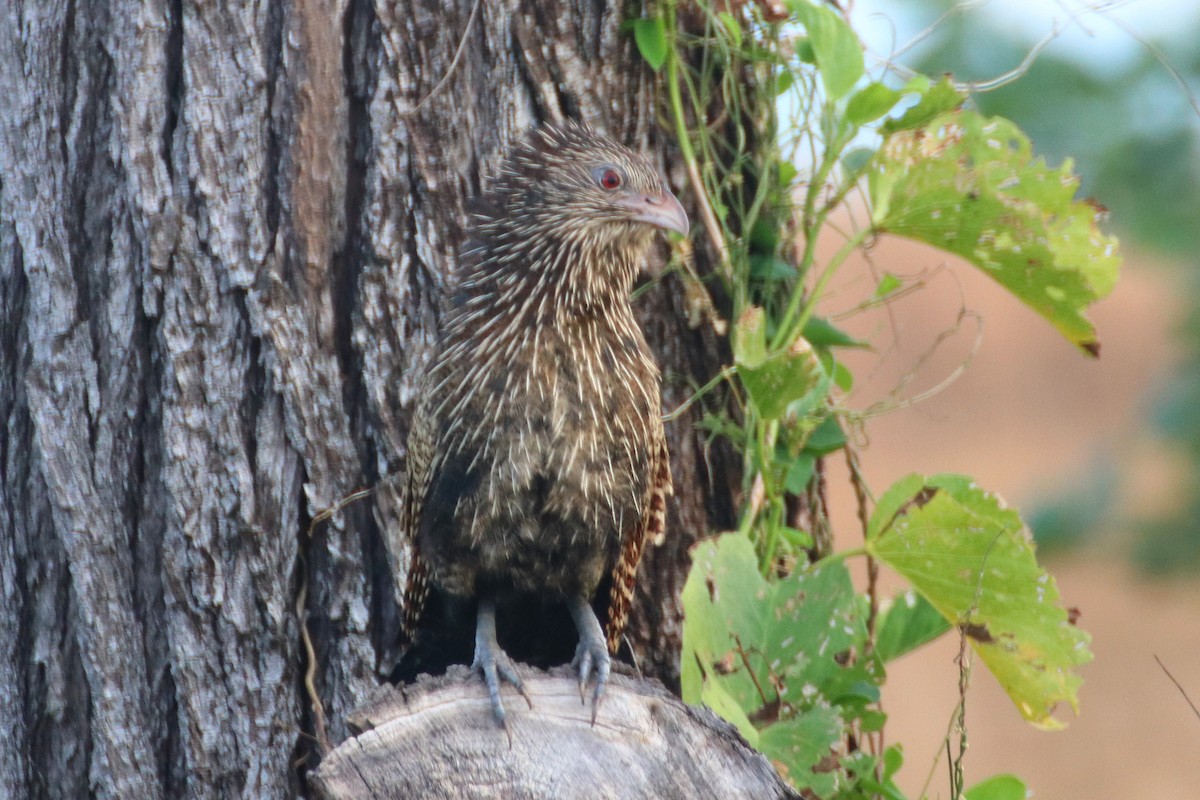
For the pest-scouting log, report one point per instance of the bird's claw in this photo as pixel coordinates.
(592, 652)
(494, 664)
(592, 655)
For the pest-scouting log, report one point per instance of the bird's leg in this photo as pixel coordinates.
(493, 662)
(592, 651)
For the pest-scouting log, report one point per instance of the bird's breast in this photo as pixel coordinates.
(561, 460)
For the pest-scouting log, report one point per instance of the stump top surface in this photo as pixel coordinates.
(437, 738)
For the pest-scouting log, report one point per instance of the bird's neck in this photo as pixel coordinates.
(553, 280)
(514, 302)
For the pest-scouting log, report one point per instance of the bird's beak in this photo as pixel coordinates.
(660, 210)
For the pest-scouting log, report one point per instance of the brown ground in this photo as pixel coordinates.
(1027, 418)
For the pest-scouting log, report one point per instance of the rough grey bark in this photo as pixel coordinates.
(436, 739)
(223, 229)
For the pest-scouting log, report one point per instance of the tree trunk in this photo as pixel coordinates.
(223, 232)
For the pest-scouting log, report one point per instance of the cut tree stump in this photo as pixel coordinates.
(437, 739)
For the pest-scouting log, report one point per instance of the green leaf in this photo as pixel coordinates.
(827, 438)
(872, 721)
(793, 631)
(998, 787)
(972, 559)
(803, 48)
(798, 745)
(887, 284)
(750, 338)
(795, 538)
(856, 160)
(770, 268)
(843, 378)
(795, 379)
(651, 38)
(799, 473)
(822, 333)
(794, 639)
(893, 759)
(909, 622)
(732, 26)
(871, 102)
(904, 492)
(866, 766)
(935, 101)
(783, 82)
(970, 185)
(764, 236)
(774, 381)
(787, 173)
(917, 84)
(838, 53)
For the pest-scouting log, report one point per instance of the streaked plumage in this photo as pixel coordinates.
(537, 460)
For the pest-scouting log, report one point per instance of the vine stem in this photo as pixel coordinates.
(861, 499)
(793, 325)
(707, 216)
(725, 374)
(462, 45)
(842, 555)
(310, 666)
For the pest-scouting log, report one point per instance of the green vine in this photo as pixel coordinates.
(779, 125)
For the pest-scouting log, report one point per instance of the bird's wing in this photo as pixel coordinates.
(418, 473)
(652, 526)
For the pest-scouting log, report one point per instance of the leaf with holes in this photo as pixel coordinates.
(970, 185)
(973, 560)
(797, 747)
(787, 653)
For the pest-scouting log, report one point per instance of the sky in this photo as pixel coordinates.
(1103, 35)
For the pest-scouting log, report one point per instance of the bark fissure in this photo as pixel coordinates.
(172, 81)
(17, 675)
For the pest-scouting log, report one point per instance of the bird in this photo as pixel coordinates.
(537, 458)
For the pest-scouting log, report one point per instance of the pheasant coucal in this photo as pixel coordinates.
(537, 462)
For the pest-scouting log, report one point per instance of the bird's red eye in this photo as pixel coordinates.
(610, 179)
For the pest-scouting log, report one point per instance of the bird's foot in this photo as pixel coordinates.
(493, 663)
(591, 653)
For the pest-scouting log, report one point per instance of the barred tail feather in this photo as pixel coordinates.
(652, 526)
(416, 590)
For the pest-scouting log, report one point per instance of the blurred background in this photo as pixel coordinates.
(1102, 457)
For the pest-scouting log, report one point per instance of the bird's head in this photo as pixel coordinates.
(570, 183)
